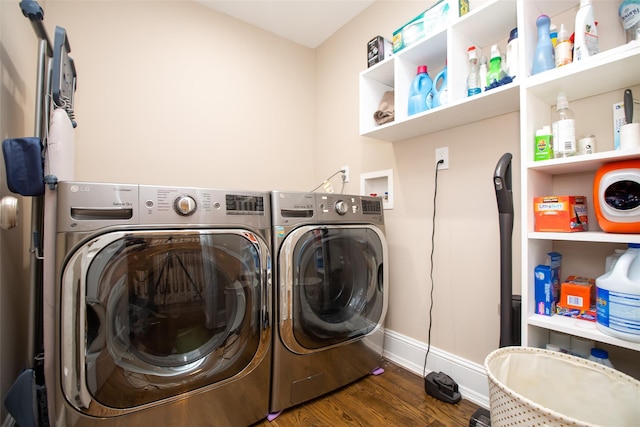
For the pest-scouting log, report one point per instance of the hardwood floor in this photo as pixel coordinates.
(394, 398)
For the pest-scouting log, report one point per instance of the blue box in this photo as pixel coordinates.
(546, 285)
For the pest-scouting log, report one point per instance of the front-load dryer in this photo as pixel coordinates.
(164, 306)
(330, 293)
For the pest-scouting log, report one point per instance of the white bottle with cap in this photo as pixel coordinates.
(600, 356)
(586, 32)
(564, 129)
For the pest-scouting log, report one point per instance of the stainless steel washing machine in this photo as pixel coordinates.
(164, 314)
(330, 295)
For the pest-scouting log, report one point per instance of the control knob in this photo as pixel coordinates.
(341, 207)
(185, 205)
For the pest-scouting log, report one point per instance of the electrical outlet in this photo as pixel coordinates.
(345, 174)
(442, 154)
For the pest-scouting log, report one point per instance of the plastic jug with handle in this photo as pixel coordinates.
(618, 297)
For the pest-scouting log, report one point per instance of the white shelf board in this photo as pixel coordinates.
(583, 163)
(495, 102)
(601, 73)
(579, 327)
(586, 236)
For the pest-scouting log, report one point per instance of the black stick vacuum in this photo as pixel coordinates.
(509, 303)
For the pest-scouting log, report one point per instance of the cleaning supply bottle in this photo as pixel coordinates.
(512, 54)
(543, 56)
(611, 260)
(420, 90)
(495, 73)
(564, 47)
(483, 73)
(553, 34)
(563, 129)
(440, 92)
(585, 42)
(629, 13)
(600, 356)
(473, 79)
(618, 297)
(543, 149)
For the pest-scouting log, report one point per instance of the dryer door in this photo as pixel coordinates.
(332, 285)
(151, 315)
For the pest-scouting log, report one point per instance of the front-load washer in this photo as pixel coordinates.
(330, 293)
(164, 306)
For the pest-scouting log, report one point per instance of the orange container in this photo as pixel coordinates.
(616, 197)
(578, 292)
(560, 213)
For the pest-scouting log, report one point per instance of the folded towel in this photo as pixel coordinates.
(386, 110)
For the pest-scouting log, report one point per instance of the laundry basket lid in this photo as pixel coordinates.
(531, 386)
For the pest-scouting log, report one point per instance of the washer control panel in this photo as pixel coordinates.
(90, 206)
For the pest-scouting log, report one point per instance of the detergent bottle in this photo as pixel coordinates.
(629, 13)
(420, 90)
(440, 91)
(618, 297)
(495, 73)
(543, 56)
(586, 32)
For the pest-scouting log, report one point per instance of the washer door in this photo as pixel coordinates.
(150, 315)
(332, 286)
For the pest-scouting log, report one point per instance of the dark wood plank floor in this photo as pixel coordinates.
(395, 398)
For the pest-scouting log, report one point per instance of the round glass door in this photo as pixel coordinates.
(337, 285)
(169, 312)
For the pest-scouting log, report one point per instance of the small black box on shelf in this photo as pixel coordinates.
(378, 49)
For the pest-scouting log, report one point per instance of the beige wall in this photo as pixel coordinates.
(18, 54)
(173, 93)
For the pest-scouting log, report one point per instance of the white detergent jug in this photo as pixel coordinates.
(618, 297)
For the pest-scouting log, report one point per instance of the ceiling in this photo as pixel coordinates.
(306, 22)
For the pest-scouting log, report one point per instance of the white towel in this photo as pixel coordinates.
(60, 156)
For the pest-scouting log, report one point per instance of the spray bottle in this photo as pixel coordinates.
(586, 37)
(564, 129)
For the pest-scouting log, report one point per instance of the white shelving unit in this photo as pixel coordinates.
(594, 81)
(591, 81)
(447, 46)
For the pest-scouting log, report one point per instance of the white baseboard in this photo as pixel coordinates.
(409, 353)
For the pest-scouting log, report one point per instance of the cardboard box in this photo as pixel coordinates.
(588, 315)
(578, 293)
(428, 22)
(378, 49)
(546, 280)
(560, 213)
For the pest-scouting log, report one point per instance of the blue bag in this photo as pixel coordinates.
(24, 164)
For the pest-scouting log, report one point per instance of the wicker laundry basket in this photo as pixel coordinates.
(531, 387)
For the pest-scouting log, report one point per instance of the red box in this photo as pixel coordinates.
(560, 213)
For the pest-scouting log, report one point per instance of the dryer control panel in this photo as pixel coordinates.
(297, 208)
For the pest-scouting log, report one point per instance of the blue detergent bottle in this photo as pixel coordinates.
(420, 90)
(439, 91)
(543, 57)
